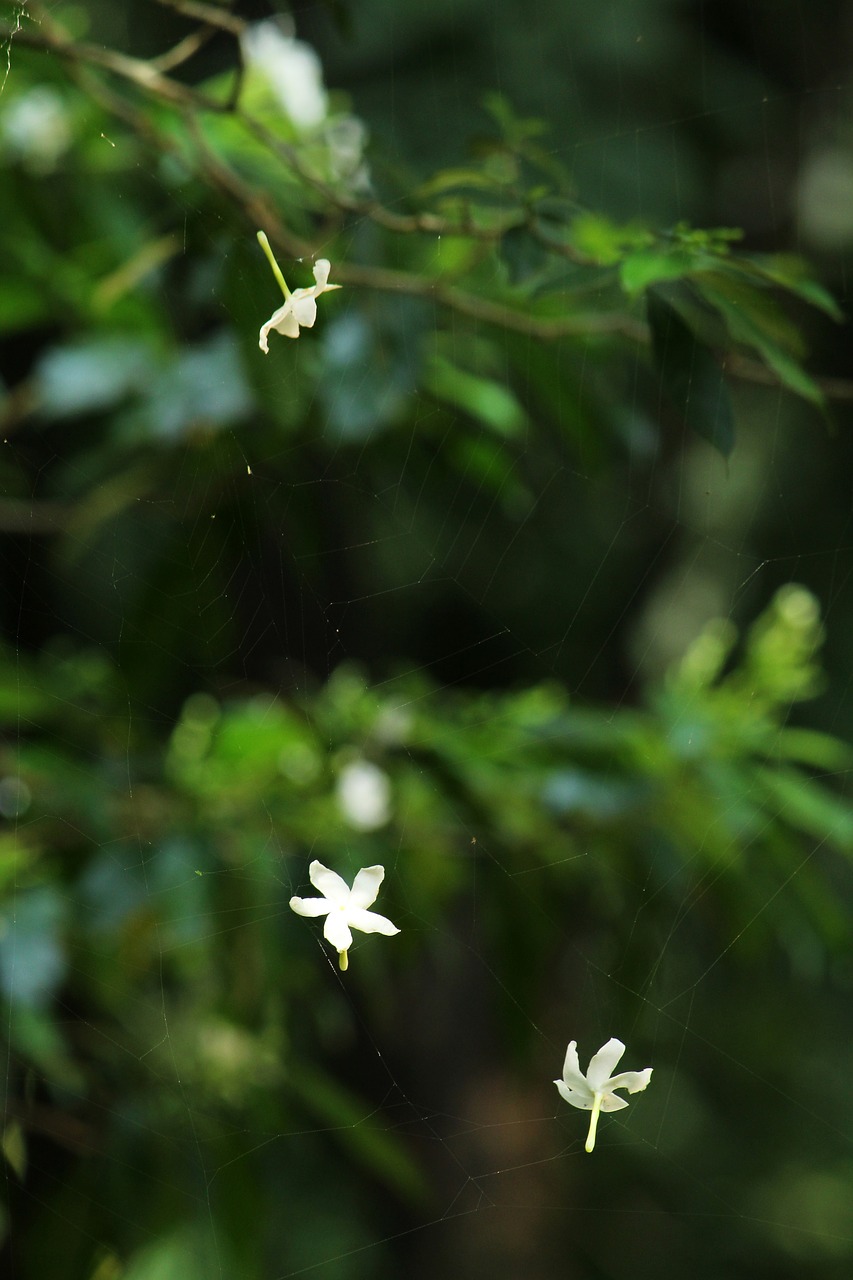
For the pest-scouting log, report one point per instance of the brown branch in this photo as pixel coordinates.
(745, 369)
(210, 14)
(250, 202)
(182, 51)
(142, 74)
(149, 77)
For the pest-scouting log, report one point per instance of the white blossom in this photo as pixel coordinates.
(292, 69)
(595, 1091)
(344, 908)
(299, 309)
(36, 128)
(364, 795)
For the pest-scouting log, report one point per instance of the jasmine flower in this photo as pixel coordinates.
(596, 1091)
(344, 908)
(299, 309)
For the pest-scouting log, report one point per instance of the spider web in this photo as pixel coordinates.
(402, 1115)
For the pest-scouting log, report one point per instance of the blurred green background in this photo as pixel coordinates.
(524, 573)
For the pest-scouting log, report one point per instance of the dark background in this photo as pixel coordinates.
(227, 579)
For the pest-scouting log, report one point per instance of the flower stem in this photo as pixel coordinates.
(343, 961)
(593, 1122)
(276, 270)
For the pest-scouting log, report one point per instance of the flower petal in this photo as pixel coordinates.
(304, 308)
(602, 1063)
(337, 931)
(580, 1098)
(370, 922)
(310, 906)
(609, 1102)
(572, 1074)
(330, 884)
(283, 321)
(365, 886)
(322, 267)
(633, 1081)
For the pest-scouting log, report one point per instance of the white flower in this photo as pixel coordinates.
(299, 309)
(364, 795)
(292, 69)
(595, 1091)
(344, 908)
(36, 127)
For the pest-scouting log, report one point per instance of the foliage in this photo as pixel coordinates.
(399, 540)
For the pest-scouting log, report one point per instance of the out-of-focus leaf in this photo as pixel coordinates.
(191, 1253)
(757, 322)
(22, 303)
(93, 376)
(810, 807)
(204, 387)
(488, 402)
(32, 954)
(606, 242)
(523, 254)
(792, 274)
(371, 363)
(14, 1147)
(816, 749)
(692, 378)
(377, 1149)
(646, 267)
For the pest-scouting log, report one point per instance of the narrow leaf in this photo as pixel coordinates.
(691, 376)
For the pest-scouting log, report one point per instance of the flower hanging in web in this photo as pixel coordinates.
(299, 309)
(344, 908)
(596, 1091)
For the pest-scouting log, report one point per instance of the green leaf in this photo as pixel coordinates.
(487, 401)
(93, 376)
(810, 807)
(792, 274)
(756, 321)
(190, 1253)
(654, 266)
(692, 378)
(605, 242)
(376, 1148)
(14, 1147)
(808, 746)
(32, 955)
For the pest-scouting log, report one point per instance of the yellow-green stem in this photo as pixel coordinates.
(276, 270)
(593, 1122)
(343, 961)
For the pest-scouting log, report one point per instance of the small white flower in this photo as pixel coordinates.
(36, 127)
(364, 795)
(344, 908)
(299, 309)
(595, 1091)
(292, 69)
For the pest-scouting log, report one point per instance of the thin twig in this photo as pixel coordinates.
(210, 14)
(259, 211)
(182, 51)
(389, 281)
(142, 74)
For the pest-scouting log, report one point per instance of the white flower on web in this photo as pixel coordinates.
(596, 1091)
(344, 908)
(299, 310)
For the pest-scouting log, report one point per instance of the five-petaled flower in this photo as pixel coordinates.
(344, 908)
(596, 1091)
(299, 309)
